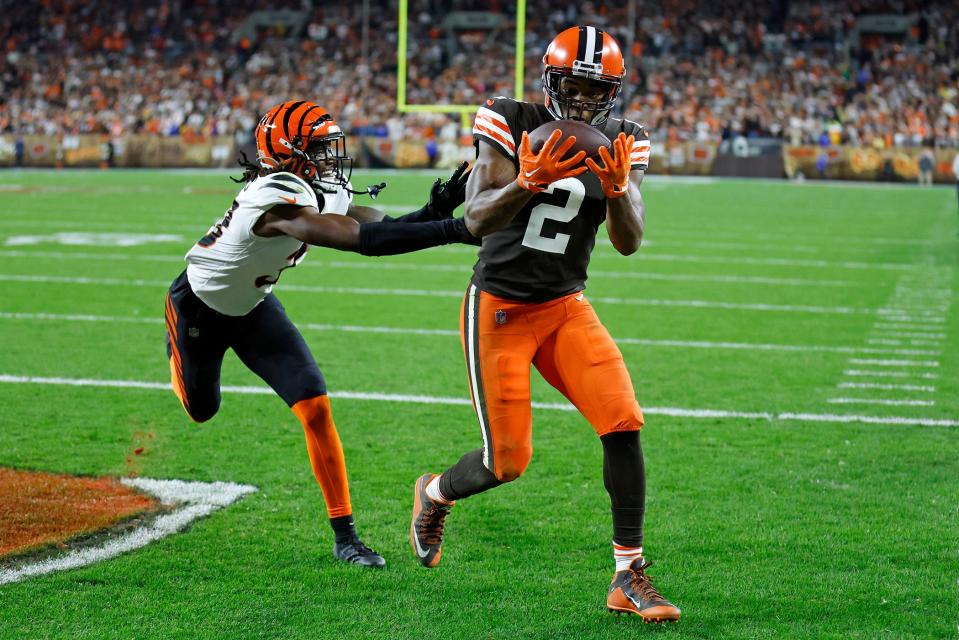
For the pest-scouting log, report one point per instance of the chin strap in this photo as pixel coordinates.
(372, 190)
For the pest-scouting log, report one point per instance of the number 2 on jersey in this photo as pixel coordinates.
(562, 202)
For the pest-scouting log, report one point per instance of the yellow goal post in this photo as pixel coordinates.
(466, 111)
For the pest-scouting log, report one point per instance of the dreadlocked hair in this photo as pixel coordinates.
(250, 169)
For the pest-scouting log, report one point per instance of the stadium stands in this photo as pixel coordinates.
(820, 73)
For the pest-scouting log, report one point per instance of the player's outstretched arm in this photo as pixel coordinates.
(307, 225)
(496, 192)
(445, 196)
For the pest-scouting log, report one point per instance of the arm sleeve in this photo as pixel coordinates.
(492, 125)
(388, 238)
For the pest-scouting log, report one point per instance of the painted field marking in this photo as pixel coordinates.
(891, 403)
(897, 326)
(894, 363)
(699, 304)
(774, 262)
(88, 239)
(442, 268)
(912, 342)
(312, 326)
(890, 374)
(922, 335)
(889, 387)
(194, 500)
(424, 399)
(933, 320)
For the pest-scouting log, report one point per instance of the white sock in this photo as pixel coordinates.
(434, 493)
(624, 556)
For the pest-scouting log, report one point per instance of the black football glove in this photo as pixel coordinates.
(446, 196)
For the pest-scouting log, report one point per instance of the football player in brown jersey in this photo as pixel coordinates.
(538, 215)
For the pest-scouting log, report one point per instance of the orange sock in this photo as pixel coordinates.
(326, 453)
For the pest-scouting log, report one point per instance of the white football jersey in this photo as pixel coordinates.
(231, 269)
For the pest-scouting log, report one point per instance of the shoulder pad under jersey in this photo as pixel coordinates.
(280, 188)
(337, 202)
(493, 123)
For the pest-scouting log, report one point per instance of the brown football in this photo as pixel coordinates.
(588, 139)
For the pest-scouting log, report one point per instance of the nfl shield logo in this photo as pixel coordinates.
(500, 316)
(194, 332)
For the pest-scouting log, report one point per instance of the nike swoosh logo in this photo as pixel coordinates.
(530, 174)
(420, 551)
(288, 199)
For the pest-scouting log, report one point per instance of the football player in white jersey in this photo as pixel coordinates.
(297, 194)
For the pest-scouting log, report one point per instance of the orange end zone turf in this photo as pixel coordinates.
(39, 509)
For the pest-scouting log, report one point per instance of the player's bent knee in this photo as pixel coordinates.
(314, 412)
(627, 417)
(203, 412)
(511, 463)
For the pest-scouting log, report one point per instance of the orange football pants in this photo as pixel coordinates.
(564, 339)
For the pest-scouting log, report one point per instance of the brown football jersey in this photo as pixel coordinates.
(544, 251)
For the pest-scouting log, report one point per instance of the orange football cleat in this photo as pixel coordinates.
(426, 528)
(632, 592)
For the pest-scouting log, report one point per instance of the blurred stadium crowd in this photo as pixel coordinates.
(807, 72)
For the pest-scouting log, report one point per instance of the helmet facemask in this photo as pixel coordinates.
(582, 92)
(324, 161)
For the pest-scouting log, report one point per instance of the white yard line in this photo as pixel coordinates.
(894, 363)
(700, 304)
(911, 342)
(860, 373)
(924, 335)
(899, 326)
(887, 387)
(425, 399)
(890, 403)
(192, 500)
(374, 265)
(312, 326)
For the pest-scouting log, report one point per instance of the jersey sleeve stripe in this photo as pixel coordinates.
(492, 115)
(489, 134)
(484, 119)
(281, 187)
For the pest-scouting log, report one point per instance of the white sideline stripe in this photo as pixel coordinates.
(422, 399)
(443, 268)
(700, 304)
(195, 499)
(889, 374)
(888, 387)
(890, 403)
(684, 344)
(894, 363)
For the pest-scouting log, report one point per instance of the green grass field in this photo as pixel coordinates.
(758, 318)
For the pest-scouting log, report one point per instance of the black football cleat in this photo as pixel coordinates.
(353, 551)
(426, 529)
(632, 592)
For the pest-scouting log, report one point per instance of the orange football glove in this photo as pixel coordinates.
(539, 170)
(614, 174)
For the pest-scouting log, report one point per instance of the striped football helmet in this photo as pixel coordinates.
(302, 137)
(583, 74)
